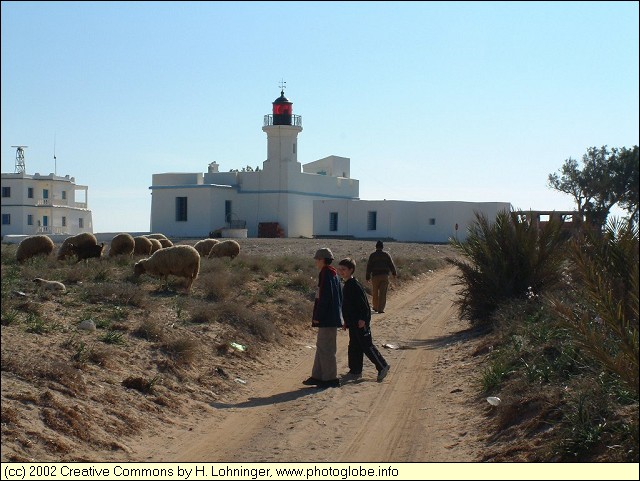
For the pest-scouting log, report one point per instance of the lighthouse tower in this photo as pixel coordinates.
(282, 129)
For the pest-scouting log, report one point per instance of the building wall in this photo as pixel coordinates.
(401, 220)
(333, 165)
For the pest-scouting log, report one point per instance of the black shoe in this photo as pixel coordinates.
(332, 383)
(312, 381)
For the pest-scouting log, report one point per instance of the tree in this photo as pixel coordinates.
(607, 178)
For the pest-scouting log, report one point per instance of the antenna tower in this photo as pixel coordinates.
(20, 167)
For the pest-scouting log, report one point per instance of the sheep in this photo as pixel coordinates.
(180, 261)
(228, 248)
(204, 246)
(50, 285)
(165, 243)
(156, 236)
(71, 244)
(89, 251)
(122, 244)
(34, 246)
(155, 245)
(143, 245)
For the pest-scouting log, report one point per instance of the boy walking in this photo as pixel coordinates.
(357, 317)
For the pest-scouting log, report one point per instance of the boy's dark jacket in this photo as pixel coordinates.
(328, 303)
(355, 304)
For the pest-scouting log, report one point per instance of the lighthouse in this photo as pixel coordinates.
(282, 128)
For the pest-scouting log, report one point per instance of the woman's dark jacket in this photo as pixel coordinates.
(355, 304)
(328, 303)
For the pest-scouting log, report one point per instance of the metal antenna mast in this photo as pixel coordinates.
(20, 167)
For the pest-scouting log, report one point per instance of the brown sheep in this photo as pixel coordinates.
(181, 261)
(204, 246)
(122, 244)
(156, 236)
(155, 245)
(227, 248)
(165, 243)
(71, 244)
(143, 245)
(36, 245)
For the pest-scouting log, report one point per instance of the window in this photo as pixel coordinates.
(432, 221)
(45, 193)
(45, 221)
(64, 195)
(181, 209)
(81, 222)
(333, 221)
(227, 211)
(29, 219)
(6, 192)
(6, 219)
(294, 148)
(30, 192)
(372, 220)
(64, 222)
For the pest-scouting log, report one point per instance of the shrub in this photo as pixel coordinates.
(504, 260)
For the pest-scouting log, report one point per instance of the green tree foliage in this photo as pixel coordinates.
(606, 178)
(506, 259)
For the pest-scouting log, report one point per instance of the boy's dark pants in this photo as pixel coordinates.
(361, 343)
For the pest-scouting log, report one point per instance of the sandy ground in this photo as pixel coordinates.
(426, 410)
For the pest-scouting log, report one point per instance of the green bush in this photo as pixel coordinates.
(506, 259)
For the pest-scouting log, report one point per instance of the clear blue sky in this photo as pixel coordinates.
(472, 101)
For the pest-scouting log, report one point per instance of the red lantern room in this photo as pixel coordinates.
(282, 110)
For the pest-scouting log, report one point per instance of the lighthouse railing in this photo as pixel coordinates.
(296, 120)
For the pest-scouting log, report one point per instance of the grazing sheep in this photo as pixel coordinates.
(34, 246)
(227, 248)
(79, 241)
(155, 245)
(122, 244)
(180, 261)
(156, 236)
(143, 245)
(165, 243)
(50, 285)
(204, 246)
(89, 251)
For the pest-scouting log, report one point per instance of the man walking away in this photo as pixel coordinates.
(379, 266)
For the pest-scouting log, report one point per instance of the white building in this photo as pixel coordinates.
(43, 204)
(401, 220)
(315, 199)
(194, 204)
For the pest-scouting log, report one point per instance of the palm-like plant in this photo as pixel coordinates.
(506, 259)
(605, 321)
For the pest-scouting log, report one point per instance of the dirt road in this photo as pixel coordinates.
(426, 410)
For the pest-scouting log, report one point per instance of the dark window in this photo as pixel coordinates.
(6, 219)
(64, 195)
(81, 222)
(372, 220)
(64, 222)
(6, 192)
(181, 209)
(45, 193)
(432, 221)
(227, 211)
(29, 219)
(333, 221)
(30, 192)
